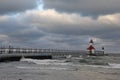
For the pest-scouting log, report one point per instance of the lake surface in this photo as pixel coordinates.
(65, 69)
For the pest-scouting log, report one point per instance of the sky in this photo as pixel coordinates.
(60, 24)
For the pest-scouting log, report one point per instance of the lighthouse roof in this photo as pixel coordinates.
(91, 47)
(91, 41)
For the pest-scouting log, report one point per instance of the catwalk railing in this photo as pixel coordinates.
(29, 50)
(14, 54)
(52, 52)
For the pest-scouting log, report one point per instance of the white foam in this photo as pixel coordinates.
(111, 65)
(46, 62)
(114, 65)
(45, 68)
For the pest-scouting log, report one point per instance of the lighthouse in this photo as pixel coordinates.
(91, 48)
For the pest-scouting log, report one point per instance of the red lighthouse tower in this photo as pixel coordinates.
(91, 48)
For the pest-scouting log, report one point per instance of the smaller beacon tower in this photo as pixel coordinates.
(103, 50)
(91, 48)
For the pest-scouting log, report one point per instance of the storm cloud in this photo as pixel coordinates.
(13, 6)
(84, 7)
(52, 21)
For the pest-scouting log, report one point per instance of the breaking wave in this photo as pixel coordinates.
(73, 64)
(46, 61)
(114, 65)
(47, 64)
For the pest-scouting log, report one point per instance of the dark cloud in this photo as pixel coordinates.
(85, 7)
(12, 6)
(51, 21)
(16, 33)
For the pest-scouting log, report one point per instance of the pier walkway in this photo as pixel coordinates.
(17, 53)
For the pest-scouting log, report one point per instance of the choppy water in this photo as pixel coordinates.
(65, 64)
(26, 68)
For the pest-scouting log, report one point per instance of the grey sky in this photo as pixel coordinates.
(85, 7)
(63, 24)
(14, 6)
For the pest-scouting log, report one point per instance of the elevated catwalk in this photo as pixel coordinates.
(15, 54)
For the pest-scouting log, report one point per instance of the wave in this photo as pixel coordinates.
(45, 61)
(114, 65)
(46, 68)
(46, 64)
(63, 64)
(110, 65)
